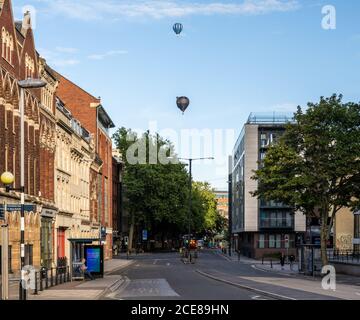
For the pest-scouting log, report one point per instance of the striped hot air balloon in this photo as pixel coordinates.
(178, 28)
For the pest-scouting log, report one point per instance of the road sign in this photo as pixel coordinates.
(16, 208)
(144, 235)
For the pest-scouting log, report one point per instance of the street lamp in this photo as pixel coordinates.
(190, 185)
(24, 84)
(7, 178)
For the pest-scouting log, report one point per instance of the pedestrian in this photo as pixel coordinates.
(282, 261)
(291, 260)
(85, 270)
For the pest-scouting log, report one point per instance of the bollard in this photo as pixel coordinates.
(262, 260)
(271, 263)
(41, 281)
(51, 279)
(36, 284)
(68, 273)
(56, 276)
(47, 279)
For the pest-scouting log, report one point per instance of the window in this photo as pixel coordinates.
(278, 241)
(271, 241)
(7, 48)
(29, 256)
(46, 242)
(14, 166)
(29, 66)
(261, 241)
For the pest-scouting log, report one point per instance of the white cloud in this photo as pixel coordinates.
(66, 50)
(108, 9)
(55, 58)
(102, 56)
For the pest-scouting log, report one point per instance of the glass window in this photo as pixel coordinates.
(261, 241)
(271, 241)
(357, 226)
(278, 241)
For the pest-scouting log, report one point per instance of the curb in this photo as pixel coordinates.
(119, 268)
(265, 293)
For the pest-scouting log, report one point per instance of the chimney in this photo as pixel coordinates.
(26, 24)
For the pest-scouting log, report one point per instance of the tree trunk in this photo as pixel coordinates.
(324, 240)
(131, 233)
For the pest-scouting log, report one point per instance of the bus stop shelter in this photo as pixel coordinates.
(82, 249)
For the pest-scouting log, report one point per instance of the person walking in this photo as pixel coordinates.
(291, 260)
(282, 261)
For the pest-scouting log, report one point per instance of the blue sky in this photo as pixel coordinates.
(235, 57)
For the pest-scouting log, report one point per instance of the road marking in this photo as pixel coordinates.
(168, 264)
(271, 294)
(257, 298)
(155, 261)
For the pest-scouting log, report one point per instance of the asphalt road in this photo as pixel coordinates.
(165, 277)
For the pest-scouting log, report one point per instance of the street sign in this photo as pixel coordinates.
(16, 208)
(144, 235)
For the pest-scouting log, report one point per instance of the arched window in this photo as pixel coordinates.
(3, 41)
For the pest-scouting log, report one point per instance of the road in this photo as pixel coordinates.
(164, 276)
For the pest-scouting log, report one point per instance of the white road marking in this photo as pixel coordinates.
(168, 264)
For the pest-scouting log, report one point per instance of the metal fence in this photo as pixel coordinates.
(344, 256)
(47, 278)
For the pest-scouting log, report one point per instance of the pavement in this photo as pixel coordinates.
(286, 283)
(213, 276)
(80, 290)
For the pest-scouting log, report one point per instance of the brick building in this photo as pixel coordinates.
(19, 60)
(92, 115)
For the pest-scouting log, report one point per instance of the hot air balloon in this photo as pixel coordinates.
(182, 103)
(178, 28)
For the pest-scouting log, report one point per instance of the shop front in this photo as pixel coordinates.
(47, 232)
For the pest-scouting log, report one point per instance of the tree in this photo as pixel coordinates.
(156, 193)
(205, 215)
(315, 167)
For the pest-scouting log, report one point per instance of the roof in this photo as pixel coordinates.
(270, 118)
(104, 117)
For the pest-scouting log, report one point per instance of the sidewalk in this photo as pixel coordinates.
(79, 290)
(287, 283)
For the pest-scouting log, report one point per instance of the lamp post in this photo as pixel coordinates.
(24, 84)
(7, 178)
(190, 186)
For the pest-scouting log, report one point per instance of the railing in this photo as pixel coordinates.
(47, 278)
(269, 223)
(344, 256)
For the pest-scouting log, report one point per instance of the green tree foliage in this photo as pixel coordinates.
(316, 165)
(157, 194)
(207, 218)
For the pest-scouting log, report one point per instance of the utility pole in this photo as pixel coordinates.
(5, 262)
(22, 292)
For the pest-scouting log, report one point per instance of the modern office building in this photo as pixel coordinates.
(260, 227)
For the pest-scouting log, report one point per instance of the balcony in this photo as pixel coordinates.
(283, 223)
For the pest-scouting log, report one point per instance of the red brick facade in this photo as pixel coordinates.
(89, 111)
